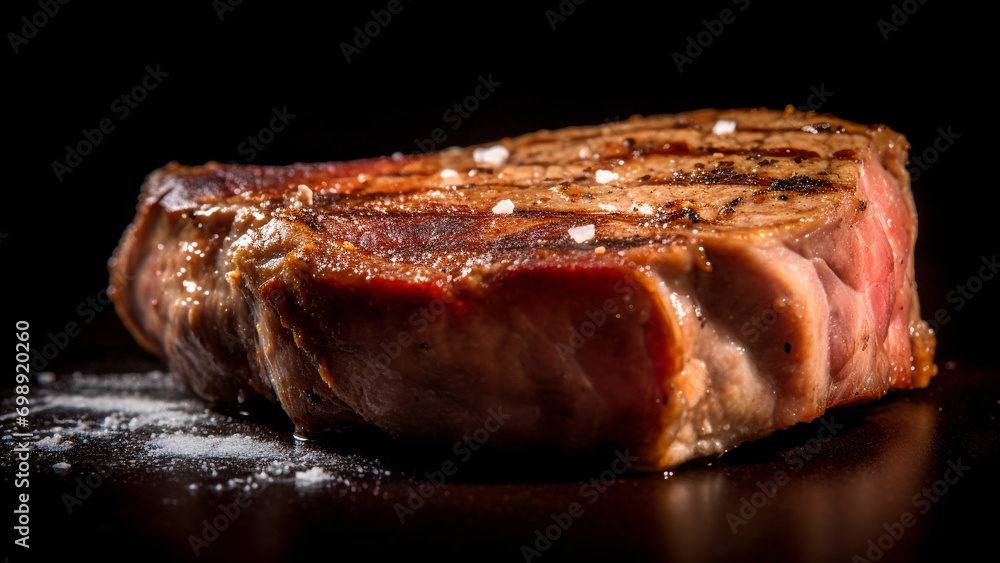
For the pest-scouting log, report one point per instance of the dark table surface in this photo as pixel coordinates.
(164, 473)
(152, 470)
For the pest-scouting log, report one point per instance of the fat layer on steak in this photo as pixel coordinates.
(661, 284)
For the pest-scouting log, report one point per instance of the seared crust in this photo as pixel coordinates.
(287, 283)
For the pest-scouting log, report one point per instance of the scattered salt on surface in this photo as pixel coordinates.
(54, 443)
(186, 445)
(132, 412)
(151, 422)
(311, 477)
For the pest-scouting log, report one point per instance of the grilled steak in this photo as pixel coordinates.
(674, 285)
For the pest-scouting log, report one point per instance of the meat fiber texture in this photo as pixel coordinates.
(672, 285)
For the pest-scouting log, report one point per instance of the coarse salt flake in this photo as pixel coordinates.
(449, 173)
(605, 176)
(493, 156)
(301, 197)
(724, 127)
(311, 477)
(582, 234)
(505, 207)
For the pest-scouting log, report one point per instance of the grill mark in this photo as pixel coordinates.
(332, 198)
(314, 220)
(728, 176)
(682, 149)
(787, 152)
(708, 177)
(466, 237)
(799, 184)
(677, 214)
(822, 127)
(730, 207)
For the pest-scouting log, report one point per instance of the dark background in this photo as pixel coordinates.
(604, 61)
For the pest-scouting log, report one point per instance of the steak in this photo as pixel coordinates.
(674, 285)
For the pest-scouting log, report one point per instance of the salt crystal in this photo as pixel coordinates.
(302, 197)
(582, 234)
(724, 127)
(505, 207)
(311, 477)
(493, 156)
(605, 176)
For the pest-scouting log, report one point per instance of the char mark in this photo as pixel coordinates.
(729, 176)
(683, 149)
(730, 207)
